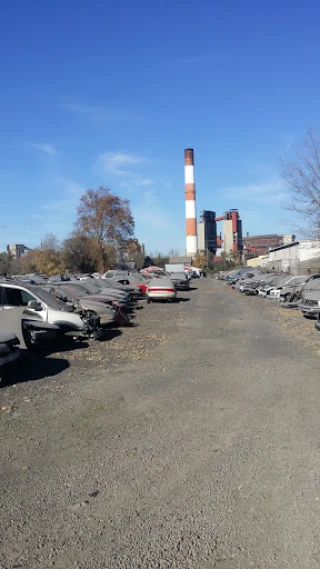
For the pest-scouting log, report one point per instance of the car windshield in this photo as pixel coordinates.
(75, 289)
(103, 283)
(87, 285)
(49, 298)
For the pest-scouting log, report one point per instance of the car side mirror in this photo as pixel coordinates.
(34, 305)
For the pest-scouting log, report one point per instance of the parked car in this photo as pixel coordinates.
(288, 292)
(136, 281)
(111, 274)
(40, 306)
(111, 293)
(306, 285)
(109, 309)
(71, 299)
(180, 281)
(161, 289)
(9, 350)
(80, 291)
(134, 291)
(310, 301)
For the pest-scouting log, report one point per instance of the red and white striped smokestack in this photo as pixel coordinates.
(191, 210)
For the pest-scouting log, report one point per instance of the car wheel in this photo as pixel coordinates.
(148, 300)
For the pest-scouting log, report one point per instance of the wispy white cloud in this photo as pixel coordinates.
(124, 166)
(100, 114)
(119, 163)
(263, 193)
(72, 191)
(45, 148)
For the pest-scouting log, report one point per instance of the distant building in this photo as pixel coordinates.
(17, 250)
(183, 259)
(207, 232)
(261, 244)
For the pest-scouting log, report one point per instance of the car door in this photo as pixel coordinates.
(12, 296)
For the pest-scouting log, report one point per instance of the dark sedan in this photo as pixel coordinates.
(180, 281)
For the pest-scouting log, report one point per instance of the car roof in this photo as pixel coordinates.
(162, 281)
(178, 274)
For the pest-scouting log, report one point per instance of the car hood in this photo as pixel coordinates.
(311, 295)
(100, 308)
(6, 336)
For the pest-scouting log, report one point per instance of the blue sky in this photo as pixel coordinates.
(110, 93)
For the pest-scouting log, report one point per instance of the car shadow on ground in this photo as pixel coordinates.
(109, 334)
(172, 301)
(58, 345)
(193, 288)
(32, 367)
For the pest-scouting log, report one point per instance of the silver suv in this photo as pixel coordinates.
(40, 306)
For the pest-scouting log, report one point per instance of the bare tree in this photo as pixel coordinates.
(302, 177)
(50, 243)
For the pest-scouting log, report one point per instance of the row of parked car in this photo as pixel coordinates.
(78, 306)
(294, 292)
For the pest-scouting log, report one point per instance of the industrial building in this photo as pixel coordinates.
(17, 250)
(190, 202)
(231, 237)
(297, 257)
(261, 244)
(232, 232)
(207, 231)
(203, 236)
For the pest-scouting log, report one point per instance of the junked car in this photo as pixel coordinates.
(306, 284)
(135, 281)
(266, 288)
(79, 291)
(112, 284)
(9, 350)
(250, 285)
(283, 290)
(110, 293)
(161, 289)
(180, 281)
(71, 299)
(310, 302)
(40, 306)
(111, 274)
(109, 310)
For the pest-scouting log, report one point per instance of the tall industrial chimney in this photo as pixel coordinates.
(191, 210)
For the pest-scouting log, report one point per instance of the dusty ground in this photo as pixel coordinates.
(188, 441)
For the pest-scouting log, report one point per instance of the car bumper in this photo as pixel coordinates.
(159, 295)
(12, 356)
(310, 310)
(85, 334)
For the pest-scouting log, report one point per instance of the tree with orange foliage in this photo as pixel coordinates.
(106, 221)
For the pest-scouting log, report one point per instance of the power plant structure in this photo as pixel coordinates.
(191, 208)
(206, 229)
(230, 239)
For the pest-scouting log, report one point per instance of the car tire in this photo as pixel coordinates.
(148, 300)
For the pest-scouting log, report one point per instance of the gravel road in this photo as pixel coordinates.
(191, 441)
